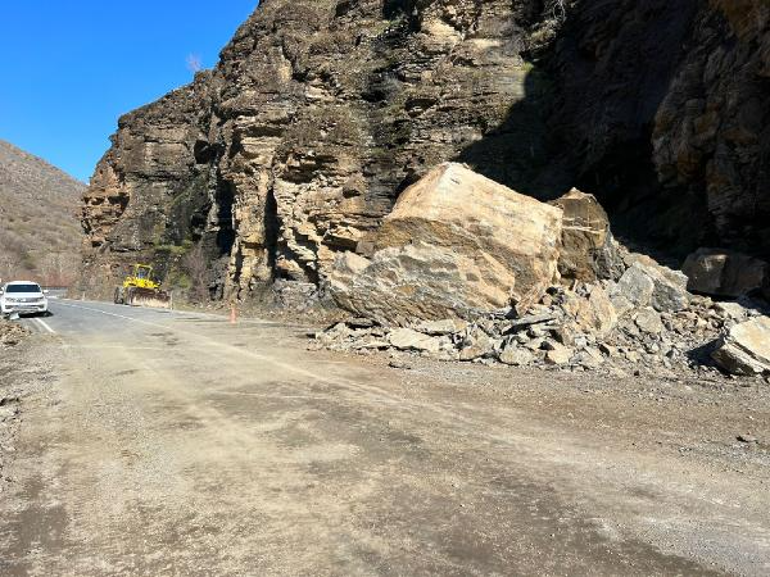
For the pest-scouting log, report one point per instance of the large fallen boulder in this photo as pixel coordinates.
(456, 245)
(399, 286)
(588, 250)
(745, 349)
(724, 273)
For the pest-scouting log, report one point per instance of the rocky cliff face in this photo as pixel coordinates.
(322, 111)
(711, 137)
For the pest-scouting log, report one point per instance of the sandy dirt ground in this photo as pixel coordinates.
(154, 443)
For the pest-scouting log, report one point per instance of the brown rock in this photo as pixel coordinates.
(457, 244)
(442, 327)
(721, 272)
(648, 320)
(517, 357)
(410, 340)
(595, 315)
(588, 250)
(557, 354)
(477, 345)
(589, 358)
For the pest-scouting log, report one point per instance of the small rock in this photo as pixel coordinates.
(590, 358)
(360, 323)
(528, 321)
(8, 412)
(648, 283)
(400, 364)
(441, 328)
(557, 353)
(634, 287)
(477, 344)
(595, 314)
(564, 335)
(338, 332)
(745, 349)
(411, 340)
(648, 320)
(517, 357)
(747, 439)
(621, 304)
(608, 350)
(732, 311)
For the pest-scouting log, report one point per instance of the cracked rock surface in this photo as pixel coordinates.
(321, 112)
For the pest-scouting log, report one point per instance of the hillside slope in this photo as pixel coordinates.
(321, 111)
(40, 236)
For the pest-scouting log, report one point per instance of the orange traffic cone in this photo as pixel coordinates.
(233, 315)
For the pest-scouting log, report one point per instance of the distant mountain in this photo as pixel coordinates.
(40, 234)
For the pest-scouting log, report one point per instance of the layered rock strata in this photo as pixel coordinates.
(320, 112)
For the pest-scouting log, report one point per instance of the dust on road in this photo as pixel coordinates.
(181, 445)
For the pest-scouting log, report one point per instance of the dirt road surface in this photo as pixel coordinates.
(177, 444)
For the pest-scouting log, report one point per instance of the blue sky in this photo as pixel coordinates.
(71, 68)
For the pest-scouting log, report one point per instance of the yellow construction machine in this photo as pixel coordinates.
(140, 289)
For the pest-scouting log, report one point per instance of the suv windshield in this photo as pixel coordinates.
(23, 288)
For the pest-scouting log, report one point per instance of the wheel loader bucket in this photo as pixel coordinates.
(148, 298)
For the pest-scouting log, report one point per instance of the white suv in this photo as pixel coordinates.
(24, 298)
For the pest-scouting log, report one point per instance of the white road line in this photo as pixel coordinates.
(172, 314)
(44, 324)
(125, 318)
(212, 343)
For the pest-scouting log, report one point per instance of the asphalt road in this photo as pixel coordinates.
(179, 444)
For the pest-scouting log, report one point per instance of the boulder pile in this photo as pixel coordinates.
(465, 269)
(581, 328)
